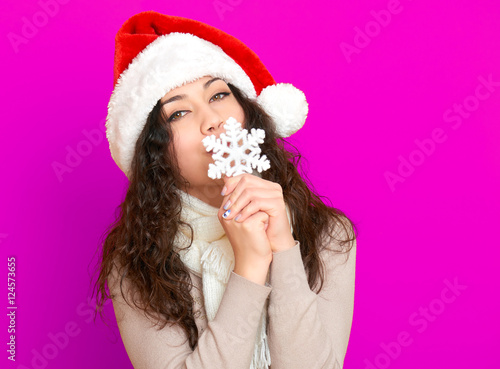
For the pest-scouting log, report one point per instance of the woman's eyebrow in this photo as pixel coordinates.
(208, 83)
(180, 97)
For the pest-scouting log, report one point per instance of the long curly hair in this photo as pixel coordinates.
(139, 244)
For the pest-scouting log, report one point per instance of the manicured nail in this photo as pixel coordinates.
(237, 217)
(226, 213)
(224, 191)
(227, 204)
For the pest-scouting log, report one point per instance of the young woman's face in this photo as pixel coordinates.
(196, 110)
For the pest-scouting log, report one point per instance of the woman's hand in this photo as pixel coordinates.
(246, 195)
(252, 250)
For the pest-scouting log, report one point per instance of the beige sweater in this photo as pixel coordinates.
(305, 330)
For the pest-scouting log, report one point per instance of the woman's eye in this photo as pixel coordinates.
(220, 96)
(176, 115)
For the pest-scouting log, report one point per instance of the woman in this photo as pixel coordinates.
(239, 272)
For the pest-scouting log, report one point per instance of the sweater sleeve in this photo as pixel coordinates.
(309, 330)
(227, 342)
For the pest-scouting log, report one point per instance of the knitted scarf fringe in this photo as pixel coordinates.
(262, 354)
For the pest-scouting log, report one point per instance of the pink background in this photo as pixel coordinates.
(402, 135)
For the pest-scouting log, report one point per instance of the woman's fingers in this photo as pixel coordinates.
(247, 195)
(241, 190)
(250, 201)
(234, 185)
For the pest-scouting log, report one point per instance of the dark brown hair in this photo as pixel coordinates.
(139, 245)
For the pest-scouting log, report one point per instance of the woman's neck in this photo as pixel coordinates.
(208, 194)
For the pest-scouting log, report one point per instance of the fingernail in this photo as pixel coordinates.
(227, 204)
(226, 213)
(224, 191)
(237, 217)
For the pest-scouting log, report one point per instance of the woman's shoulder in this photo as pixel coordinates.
(120, 287)
(340, 230)
(338, 240)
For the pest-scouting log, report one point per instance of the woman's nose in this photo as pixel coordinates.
(212, 123)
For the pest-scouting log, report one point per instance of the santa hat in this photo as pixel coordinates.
(155, 53)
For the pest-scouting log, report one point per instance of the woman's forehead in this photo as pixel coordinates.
(205, 80)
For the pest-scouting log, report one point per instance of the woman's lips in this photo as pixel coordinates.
(225, 155)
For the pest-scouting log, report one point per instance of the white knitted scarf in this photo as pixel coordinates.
(211, 257)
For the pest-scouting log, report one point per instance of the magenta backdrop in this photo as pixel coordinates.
(402, 135)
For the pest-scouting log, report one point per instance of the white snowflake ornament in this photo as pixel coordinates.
(232, 158)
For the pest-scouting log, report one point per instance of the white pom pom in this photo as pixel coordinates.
(287, 106)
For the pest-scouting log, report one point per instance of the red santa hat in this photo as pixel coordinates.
(155, 53)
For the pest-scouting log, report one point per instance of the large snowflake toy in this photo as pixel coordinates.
(227, 150)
